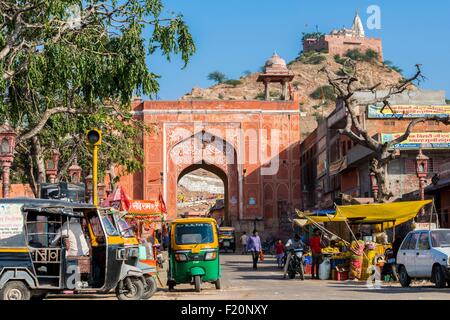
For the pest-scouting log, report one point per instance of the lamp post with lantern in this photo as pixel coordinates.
(51, 166)
(373, 181)
(422, 171)
(7, 145)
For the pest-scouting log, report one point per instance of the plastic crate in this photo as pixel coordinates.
(308, 260)
(308, 269)
(341, 276)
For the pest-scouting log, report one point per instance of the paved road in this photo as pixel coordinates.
(241, 282)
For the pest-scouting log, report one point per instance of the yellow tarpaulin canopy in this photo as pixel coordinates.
(390, 214)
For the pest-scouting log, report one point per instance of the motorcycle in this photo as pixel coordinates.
(390, 267)
(296, 264)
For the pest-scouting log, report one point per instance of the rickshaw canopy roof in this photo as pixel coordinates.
(194, 220)
(390, 214)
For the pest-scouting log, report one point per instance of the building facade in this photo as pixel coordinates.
(253, 146)
(341, 41)
(340, 171)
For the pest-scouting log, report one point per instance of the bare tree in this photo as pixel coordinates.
(346, 84)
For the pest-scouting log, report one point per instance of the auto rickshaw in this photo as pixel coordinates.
(141, 255)
(37, 258)
(227, 239)
(193, 253)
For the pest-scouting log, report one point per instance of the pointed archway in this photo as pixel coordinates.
(214, 170)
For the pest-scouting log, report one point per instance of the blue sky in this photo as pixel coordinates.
(237, 35)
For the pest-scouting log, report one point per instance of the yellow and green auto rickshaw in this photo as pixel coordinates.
(193, 253)
(227, 239)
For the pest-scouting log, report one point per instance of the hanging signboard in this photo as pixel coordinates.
(11, 224)
(145, 207)
(417, 140)
(407, 111)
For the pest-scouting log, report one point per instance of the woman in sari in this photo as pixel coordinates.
(357, 249)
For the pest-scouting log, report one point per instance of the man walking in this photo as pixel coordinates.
(244, 239)
(315, 243)
(254, 246)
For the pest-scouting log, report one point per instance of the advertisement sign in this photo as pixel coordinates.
(417, 140)
(145, 207)
(11, 221)
(321, 164)
(407, 111)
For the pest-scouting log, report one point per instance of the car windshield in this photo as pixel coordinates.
(440, 238)
(194, 233)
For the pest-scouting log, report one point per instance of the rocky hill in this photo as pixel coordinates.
(317, 96)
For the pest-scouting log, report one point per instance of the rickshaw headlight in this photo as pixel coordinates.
(210, 255)
(180, 257)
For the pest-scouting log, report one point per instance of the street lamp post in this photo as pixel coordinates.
(254, 221)
(422, 171)
(51, 166)
(94, 139)
(89, 187)
(7, 145)
(373, 181)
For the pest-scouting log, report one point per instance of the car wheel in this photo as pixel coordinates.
(438, 276)
(15, 290)
(405, 280)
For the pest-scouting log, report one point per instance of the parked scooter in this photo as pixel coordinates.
(390, 266)
(296, 264)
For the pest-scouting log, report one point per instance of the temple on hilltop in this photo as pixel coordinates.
(342, 40)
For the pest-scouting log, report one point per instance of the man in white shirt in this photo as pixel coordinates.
(78, 245)
(244, 239)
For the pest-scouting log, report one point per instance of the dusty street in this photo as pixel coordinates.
(239, 281)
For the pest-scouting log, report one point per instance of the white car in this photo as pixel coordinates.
(425, 254)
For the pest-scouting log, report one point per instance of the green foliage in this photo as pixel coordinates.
(312, 58)
(217, 76)
(356, 55)
(233, 82)
(84, 73)
(246, 73)
(319, 117)
(325, 92)
(221, 96)
(312, 35)
(260, 96)
(390, 65)
(447, 101)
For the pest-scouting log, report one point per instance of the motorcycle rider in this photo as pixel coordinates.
(292, 244)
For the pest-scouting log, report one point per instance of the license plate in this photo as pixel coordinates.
(226, 243)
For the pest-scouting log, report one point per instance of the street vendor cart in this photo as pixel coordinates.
(383, 216)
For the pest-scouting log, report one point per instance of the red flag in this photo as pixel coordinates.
(162, 203)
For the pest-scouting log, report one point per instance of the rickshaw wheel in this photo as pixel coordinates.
(134, 293)
(217, 284)
(151, 287)
(171, 286)
(197, 283)
(15, 290)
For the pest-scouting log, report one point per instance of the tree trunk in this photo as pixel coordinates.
(112, 176)
(37, 154)
(384, 194)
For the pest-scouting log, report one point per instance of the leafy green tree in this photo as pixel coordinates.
(67, 66)
(217, 76)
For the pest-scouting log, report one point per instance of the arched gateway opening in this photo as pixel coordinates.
(202, 150)
(202, 189)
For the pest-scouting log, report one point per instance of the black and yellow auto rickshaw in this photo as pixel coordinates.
(227, 239)
(193, 253)
(140, 254)
(52, 246)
